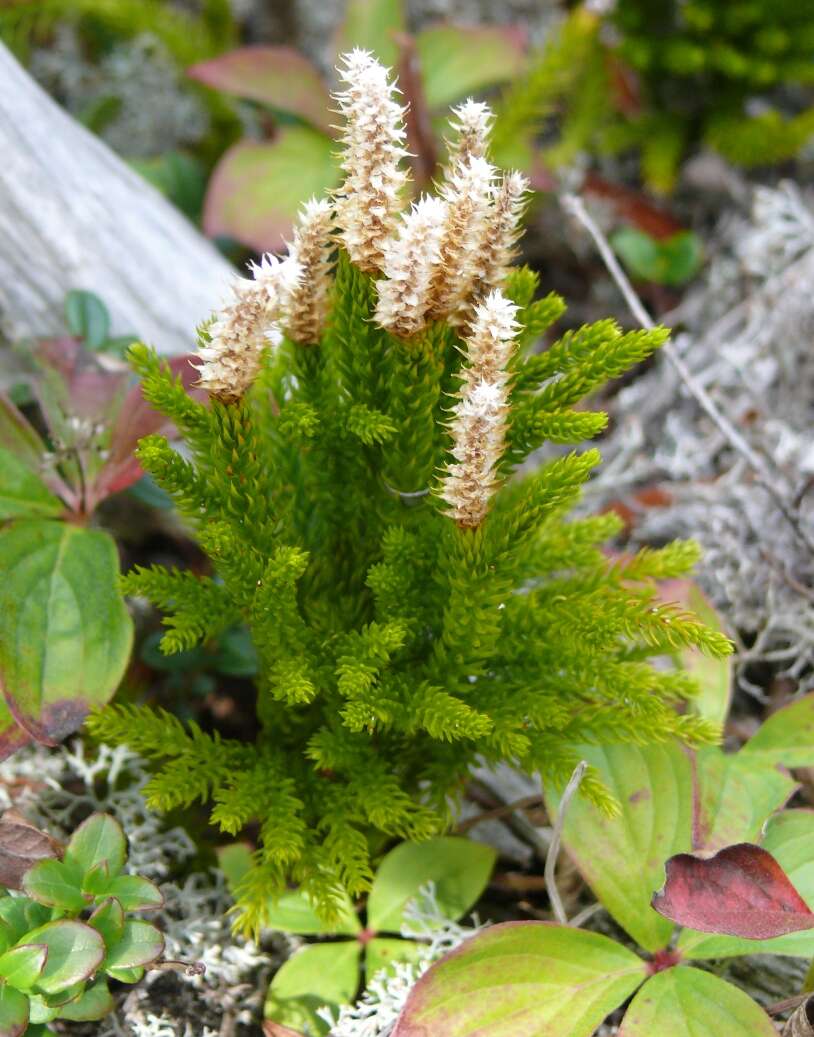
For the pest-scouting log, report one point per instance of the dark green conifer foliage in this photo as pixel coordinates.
(397, 648)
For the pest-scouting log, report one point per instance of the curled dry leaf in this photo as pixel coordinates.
(22, 845)
(801, 1022)
(741, 891)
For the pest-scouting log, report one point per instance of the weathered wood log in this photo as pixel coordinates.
(74, 215)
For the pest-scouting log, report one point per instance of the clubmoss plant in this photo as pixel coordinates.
(417, 604)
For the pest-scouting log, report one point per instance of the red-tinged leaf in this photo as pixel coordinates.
(276, 76)
(741, 891)
(522, 979)
(733, 797)
(136, 419)
(18, 436)
(461, 60)
(93, 384)
(257, 190)
(12, 736)
(272, 1029)
(634, 207)
(418, 124)
(21, 846)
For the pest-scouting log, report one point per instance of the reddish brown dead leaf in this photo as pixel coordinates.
(741, 891)
(21, 846)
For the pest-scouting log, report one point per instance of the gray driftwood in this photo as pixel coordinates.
(74, 215)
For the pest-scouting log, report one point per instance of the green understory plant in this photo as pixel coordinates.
(673, 803)
(418, 602)
(661, 77)
(65, 633)
(326, 973)
(70, 931)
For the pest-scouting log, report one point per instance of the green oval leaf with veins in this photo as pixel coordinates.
(75, 951)
(135, 893)
(56, 884)
(622, 858)
(22, 966)
(65, 634)
(734, 796)
(522, 979)
(257, 190)
(95, 1003)
(457, 61)
(22, 493)
(14, 1012)
(276, 76)
(99, 839)
(459, 868)
(789, 839)
(294, 913)
(684, 1000)
(318, 975)
(139, 944)
(787, 736)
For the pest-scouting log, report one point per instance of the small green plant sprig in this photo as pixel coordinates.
(70, 932)
(326, 973)
(418, 603)
(661, 77)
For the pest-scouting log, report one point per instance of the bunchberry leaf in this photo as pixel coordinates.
(459, 869)
(139, 944)
(14, 1012)
(547, 979)
(382, 952)
(135, 893)
(99, 839)
(21, 966)
(320, 974)
(75, 951)
(741, 891)
(56, 884)
(698, 1003)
